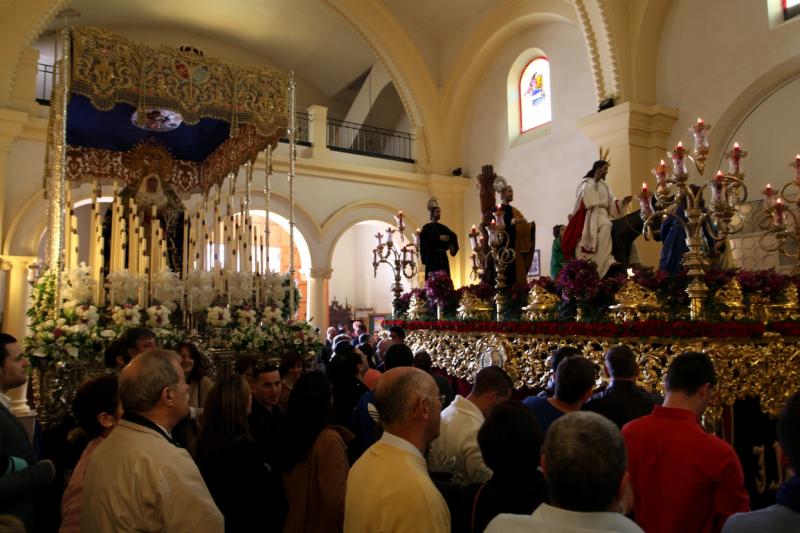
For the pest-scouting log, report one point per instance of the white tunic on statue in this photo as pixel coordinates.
(601, 208)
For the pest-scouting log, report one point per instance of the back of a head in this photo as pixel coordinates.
(621, 361)
(11, 524)
(398, 391)
(688, 372)
(307, 413)
(511, 440)
(562, 353)
(584, 461)
(574, 377)
(245, 364)
(131, 336)
(422, 360)
(492, 379)
(399, 332)
(225, 417)
(144, 378)
(398, 355)
(114, 349)
(95, 396)
(288, 362)
(344, 363)
(368, 350)
(789, 430)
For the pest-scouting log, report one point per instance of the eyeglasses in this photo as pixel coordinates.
(442, 397)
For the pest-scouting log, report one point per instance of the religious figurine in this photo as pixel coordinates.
(521, 233)
(435, 240)
(589, 232)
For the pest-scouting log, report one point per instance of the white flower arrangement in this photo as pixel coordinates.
(84, 314)
(79, 285)
(271, 316)
(167, 288)
(158, 316)
(123, 287)
(246, 317)
(274, 290)
(200, 290)
(240, 287)
(218, 316)
(126, 316)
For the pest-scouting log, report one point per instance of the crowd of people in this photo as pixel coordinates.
(320, 447)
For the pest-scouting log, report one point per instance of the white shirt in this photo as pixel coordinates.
(554, 520)
(399, 442)
(5, 400)
(456, 449)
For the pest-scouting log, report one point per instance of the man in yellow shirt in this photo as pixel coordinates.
(388, 488)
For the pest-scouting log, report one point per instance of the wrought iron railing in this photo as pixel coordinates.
(45, 74)
(301, 120)
(354, 138)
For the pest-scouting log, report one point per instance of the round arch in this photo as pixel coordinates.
(350, 215)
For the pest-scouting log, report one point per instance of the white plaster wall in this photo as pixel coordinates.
(711, 51)
(25, 179)
(545, 171)
(352, 279)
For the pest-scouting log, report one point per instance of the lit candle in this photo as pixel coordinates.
(678, 167)
(630, 273)
(796, 165)
(644, 200)
(473, 237)
(778, 212)
(769, 196)
(718, 196)
(498, 217)
(492, 228)
(389, 233)
(660, 172)
(735, 159)
(379, 238)
(700, 134)
(399, 218)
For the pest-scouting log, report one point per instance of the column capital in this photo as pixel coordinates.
(321, 272)
(644, 126)
(318, 131)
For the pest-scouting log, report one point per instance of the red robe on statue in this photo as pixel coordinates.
(572, 235)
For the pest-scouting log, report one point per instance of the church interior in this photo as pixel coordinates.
(394, 102)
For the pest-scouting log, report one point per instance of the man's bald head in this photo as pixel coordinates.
(399, 391)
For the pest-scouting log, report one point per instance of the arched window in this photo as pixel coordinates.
(791, 8)
(534, 94)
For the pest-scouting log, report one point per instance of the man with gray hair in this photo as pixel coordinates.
(388, 488)
(584, 462)
(138, 479)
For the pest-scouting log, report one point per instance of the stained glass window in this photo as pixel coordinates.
(534, 94)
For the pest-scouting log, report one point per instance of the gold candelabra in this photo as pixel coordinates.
(501, 253)
(675, 197)
(779, 217)
(401, 257)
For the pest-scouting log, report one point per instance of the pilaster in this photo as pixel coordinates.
(636, 135)
(11, 126)
(318, 280)
(318, 132)
(16, 268)
(23, 94)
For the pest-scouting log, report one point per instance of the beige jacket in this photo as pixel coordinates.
(137, 480)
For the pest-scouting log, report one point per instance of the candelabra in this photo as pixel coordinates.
(778, 218)
(501, 253)
(675, 197)
(402, 258)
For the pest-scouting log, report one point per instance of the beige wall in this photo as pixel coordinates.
(545, 171)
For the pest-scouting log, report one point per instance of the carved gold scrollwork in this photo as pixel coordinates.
(766, 368)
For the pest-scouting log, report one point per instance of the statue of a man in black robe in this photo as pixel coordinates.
(435, 240)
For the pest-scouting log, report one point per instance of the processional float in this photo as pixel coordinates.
(157, 130)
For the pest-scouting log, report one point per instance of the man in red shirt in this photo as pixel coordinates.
(683, 478)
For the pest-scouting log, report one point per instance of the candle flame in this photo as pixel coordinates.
(680, 144)
(736, 146)
(699, 120)
(779, 201)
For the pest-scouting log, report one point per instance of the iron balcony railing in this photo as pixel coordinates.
(362, 139)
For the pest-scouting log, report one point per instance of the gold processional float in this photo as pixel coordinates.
(201, 273)
(750, 334)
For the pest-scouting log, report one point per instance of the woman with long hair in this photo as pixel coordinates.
(314, 459)
(343, 371)
(194, 370)
(230, 461)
